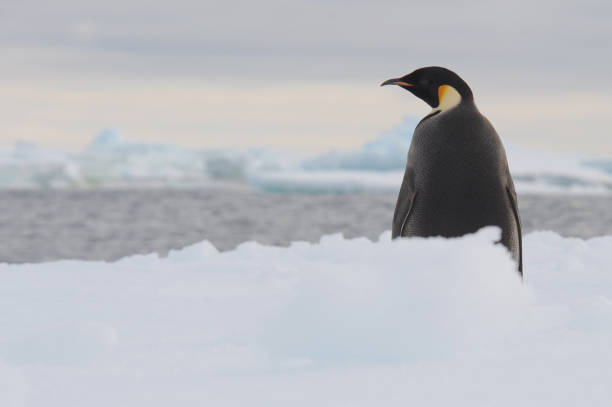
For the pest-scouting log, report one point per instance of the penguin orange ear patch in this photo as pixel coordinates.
(441, 92)
(448, 97)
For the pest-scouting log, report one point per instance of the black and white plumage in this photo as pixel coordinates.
(457, 178)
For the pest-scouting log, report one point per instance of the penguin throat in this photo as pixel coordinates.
(448, 97)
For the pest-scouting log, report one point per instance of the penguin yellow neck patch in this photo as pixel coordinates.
(448, 97)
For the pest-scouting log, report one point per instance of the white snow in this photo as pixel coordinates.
(433, 322)
(110, 161)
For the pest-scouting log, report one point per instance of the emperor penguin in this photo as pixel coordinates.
(457, 178)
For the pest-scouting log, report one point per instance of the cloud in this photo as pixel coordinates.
(542, 41)
(545, 55)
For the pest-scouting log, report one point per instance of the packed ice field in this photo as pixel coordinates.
(340, 322)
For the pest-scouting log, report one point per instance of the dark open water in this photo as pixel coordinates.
(109, 224)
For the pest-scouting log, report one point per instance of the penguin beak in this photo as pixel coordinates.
(396, 81)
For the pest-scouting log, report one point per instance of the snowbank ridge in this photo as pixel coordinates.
(341, 322)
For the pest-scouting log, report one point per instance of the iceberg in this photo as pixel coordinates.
(379, 166)
(111, 161)
(387, 153)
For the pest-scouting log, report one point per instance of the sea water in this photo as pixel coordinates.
(107, 224)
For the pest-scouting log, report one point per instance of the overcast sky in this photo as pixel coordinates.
(298, 74)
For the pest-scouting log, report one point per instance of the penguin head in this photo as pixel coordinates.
(440, 88)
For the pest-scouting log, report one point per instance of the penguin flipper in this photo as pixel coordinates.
(405, 203)
(513, 203)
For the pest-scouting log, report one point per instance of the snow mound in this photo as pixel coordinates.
(341, 322)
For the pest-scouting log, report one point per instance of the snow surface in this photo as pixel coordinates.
(110, 161)
(423, 322)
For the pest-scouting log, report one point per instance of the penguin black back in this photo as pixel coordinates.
(457, 178)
